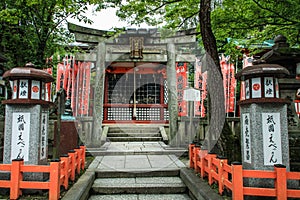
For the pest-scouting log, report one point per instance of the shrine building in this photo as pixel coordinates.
(137, 76)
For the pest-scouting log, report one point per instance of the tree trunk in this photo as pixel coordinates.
(215, 80)
(208, 38)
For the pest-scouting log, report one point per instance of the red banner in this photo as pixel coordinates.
(86, 72)
(229, 83)
(181, 69)
(48, 86)
(60, 76)
(200, 83)
(75, 80)
(197, 85)
(74, 87)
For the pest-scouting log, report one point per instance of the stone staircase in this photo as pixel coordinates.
(142, 185)
(135, 133)
(133, 169)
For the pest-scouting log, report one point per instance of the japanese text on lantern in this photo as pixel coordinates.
(20, 136)
(246, 137)
(269, 87)
(247, 89)
(23, 90)
(271, 138)
(43, 139)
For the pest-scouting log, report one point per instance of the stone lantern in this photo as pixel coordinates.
(261, 82)
(26, 117)
(264, 128)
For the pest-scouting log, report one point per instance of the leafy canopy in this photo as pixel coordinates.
(33, 30)
(255, 20)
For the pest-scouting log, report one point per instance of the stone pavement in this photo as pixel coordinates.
(136, 163)
(134, 148)
(127, 161)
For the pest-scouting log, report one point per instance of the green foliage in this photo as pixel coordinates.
(32, 30)
(176, 14)
(257, 20)
(2, 107)
(254, 20)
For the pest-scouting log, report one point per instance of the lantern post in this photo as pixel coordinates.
(27, 115)
(264, 124)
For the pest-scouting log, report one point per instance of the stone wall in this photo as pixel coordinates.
(1, 137)
(84, 127)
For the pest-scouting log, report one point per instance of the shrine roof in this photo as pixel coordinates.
(84, 34)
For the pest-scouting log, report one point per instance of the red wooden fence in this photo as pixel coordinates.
(231, 177)
(60, 173)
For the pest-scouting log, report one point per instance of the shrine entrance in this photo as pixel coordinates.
(138, 77)
(135, 91)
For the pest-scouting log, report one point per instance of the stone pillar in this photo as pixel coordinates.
(264, 128)
(94, 140)
(172, 93)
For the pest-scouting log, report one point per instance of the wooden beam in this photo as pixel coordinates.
(124, 57)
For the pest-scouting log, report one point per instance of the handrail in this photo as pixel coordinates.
(60, 172)
(231, 176)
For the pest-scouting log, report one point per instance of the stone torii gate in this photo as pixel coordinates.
(135, 47)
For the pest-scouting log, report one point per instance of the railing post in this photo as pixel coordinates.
(203, 154)
(65, 170)
(210, 168)
(280, 182)
(237, 181)
(196, 158)
(16, 175)
(54, 186)
(72, 166)
(79, 159)
(191, 155)
(83, 156)
(221, 174)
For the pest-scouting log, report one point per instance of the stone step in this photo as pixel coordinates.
(139, 185)
(172, 172)
(133, 130)
(133, 139)
(141, 197)
(100, 152)
(133, 134)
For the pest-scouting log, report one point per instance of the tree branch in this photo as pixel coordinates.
(187, 18)
(272, 11)
(162, 5)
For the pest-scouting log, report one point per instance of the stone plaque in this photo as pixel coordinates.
(246, 137)
(20, 136)
(271, 138)
(43, 138)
